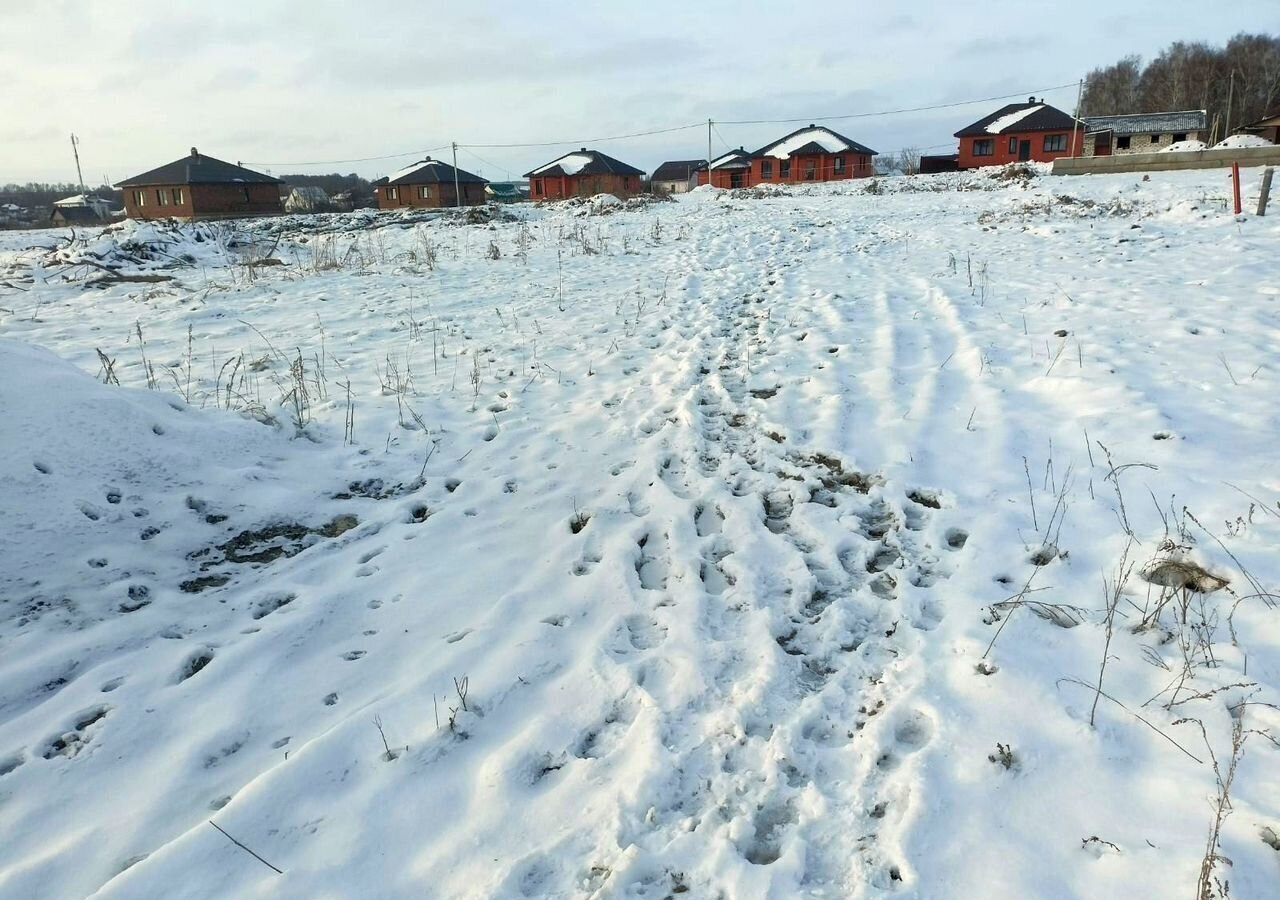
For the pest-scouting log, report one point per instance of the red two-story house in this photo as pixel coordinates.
(1020, 132)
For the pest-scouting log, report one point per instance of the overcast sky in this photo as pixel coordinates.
(277, 84)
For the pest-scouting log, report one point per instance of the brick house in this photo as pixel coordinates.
(429, 183)
(583, 173)
(676, 176)
(813, 153)
(1142, 132)
(200, 187)
(1020, 132)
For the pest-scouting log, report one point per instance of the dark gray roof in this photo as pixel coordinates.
(813, 147)
(600, 164)
(1150, 123)
(197, 169)
(430, 171)
(677, 169)
(1047, 118)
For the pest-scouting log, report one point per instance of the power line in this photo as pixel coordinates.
(580, 141)
(336, 162)
(894, 112)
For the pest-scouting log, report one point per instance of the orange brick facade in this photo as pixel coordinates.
(427, 196)
(557, 187)
(201, 201)
(1033, 146)
(796, 170)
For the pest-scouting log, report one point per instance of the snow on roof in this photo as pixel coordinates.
(1012, 118)
(734, 157)
(823, 137)
(570, 164)
(411, 168)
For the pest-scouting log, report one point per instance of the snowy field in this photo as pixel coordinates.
(752, 545)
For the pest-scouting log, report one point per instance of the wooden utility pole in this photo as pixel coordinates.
(1231, 89)
(1265, 193)
(708, 151)
(1075, 127)
(457, 195)
(76, 150)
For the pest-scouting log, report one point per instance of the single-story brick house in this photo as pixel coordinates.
(429, 183)
(200, 187)
(1020, 132)
(1142, 132)
(583, 173)
(676, 176)
(813, 153)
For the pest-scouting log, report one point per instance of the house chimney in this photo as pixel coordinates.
(1031, 99)
(811, 125)
(584, 150)
(195, 152)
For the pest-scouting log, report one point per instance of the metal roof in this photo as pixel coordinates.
(677, 169)
(1150, 123)
(599, 164)
(197, 169)
(1045, 118)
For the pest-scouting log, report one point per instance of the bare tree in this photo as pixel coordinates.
(909, 160)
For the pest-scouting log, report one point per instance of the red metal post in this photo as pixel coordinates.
(1235, 186)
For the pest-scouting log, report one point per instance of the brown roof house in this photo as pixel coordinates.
(583, 173)
(429, 183)
(676, 176)
(1020, 132)
(1267, 128)
(200, 187)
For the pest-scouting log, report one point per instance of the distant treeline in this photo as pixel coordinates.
(1193, 75)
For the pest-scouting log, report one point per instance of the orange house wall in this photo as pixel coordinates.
(1003, 155)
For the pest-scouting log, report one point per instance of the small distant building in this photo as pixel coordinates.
(200, 187)
(100, 208)
(813, 153)
(307, 199)
(938, 163)
(429, 184)
(583, 173)
(343, 201)
(1142, 132)
(1020, 132)
(733, 170)
(75, 215)
(1267, 128)
(676, 176)
(507, 191)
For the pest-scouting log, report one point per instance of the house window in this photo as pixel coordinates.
(245, 191)
(1179, 137)
(537, 188)
(766, 169)
(177, 196)
(1122, 142)
(393, 193)
(839, 165)
(1013, 145)
(162, 197)
(1155, 138)
(984, 148)
(139, 199)
(424, 192)
(810, 170)
(1055, 143)
(784, 170)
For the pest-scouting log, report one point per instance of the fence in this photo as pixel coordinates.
(1165, 162)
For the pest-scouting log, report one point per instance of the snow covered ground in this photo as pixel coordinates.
(755, 545)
